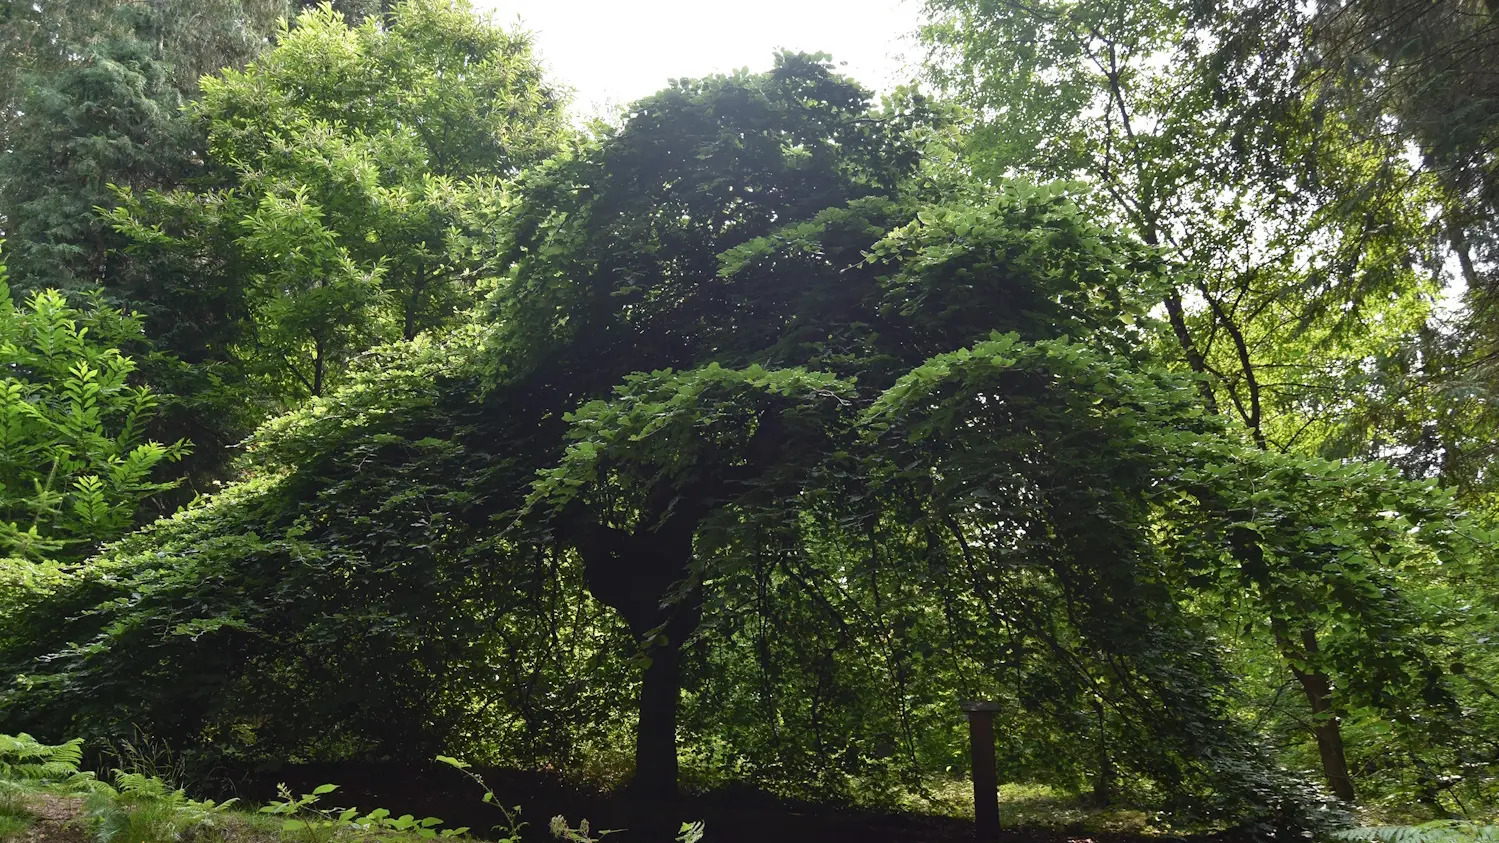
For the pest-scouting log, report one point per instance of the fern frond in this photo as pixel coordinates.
(1436, 831)
(23, 757)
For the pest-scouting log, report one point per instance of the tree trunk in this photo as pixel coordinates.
(409, 331)
(1329, 735)
(1103, 783)
(1325, 724)
(318, 365)
(1318, 688)
(1458, 238)
(646, 575)
(656, 736)
(414, 303)
(636, 574)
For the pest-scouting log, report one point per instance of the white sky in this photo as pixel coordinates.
(612, 52)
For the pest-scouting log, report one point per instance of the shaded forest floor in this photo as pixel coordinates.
(736, 815)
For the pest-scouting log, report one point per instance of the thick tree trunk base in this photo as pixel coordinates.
(656, 766)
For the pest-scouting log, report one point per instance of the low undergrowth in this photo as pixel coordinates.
(145, 809)
(137, 807)
(1436, 831)
(14, 816)
(141, 807)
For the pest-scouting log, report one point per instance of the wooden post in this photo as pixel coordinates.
(985, 776)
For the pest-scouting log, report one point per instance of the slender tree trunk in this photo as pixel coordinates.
(1326, 726)
(1458, 238)
(1177, 315)
(1314, 683)
(1329, 735)
(1103, 783)
(318, 365)
(414, 302)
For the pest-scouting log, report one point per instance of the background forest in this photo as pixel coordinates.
(1134, 371)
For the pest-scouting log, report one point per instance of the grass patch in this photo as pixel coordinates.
(14, 817)
(1037, 806)
(1042, 806)
(13, 826)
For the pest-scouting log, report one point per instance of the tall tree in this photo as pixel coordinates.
(343, 166)
(92, 98)
(1298, 239)
(108, 117)
(619, 256)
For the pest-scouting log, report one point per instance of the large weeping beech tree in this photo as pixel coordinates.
(753, 357)
(636, 255)
(726, 224)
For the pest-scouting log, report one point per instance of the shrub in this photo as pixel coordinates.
(75, 463)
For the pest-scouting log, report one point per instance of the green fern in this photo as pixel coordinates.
(1436, 831)
(145, 809)
(23, 758)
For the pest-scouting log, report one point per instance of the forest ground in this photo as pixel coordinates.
(731, 815)
(55, 819)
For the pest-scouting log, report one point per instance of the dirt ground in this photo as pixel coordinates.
(56, 820)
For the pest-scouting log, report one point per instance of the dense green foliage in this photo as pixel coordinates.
(1245, 140)
(75, 464)
(348, 168)
(92, 104)
(739, 438)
